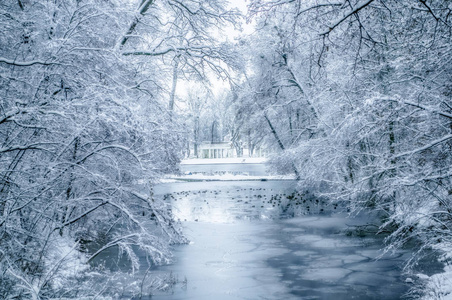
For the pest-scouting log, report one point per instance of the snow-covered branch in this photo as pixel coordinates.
(25, 63)
(321, 5)
(154, 53)
(428, 146)
(144, 7)
(426, 108)
(355, 10)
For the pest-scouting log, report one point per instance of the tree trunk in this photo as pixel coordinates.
(196, 138)
(212, 133)
(145, 4)
(174, 85)
(281, 145)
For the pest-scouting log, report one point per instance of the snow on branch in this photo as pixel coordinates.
(258, 6)
(112, 244)
(423, 107)
(433, 143)
(82, 215)
(144, 6)
(152, 53)
(441, 113)
(35, 146)
(118, 147)
(408, 182)
(24, 63)
(194, 51)
(430, 10)
(354, 11)
(319, 6)
(8, 116)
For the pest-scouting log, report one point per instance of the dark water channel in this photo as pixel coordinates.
(247, 244)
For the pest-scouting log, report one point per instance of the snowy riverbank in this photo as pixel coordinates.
(224, 169)
(223, 177)
(439, 286)
(230, 160)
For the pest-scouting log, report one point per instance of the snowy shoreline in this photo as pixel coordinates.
(230, 160)
(222, 175)
(439, 286)
(225, 177)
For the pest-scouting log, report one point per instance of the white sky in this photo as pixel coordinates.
(240, 4)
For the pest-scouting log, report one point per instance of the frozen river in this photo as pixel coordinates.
(246, 244)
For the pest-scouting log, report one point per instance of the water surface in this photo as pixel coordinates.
(247, 244)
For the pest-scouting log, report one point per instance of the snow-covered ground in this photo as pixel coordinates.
(231, 160)
(439, 286)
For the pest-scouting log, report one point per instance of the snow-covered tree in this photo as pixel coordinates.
(85, 130)
(377, 76)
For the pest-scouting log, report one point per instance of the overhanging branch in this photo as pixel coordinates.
(354, 11)
(24, 63)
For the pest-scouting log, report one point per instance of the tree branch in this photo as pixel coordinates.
(145, 4)
(152, 53)
(318, 6)
(24, 63)
(441, 113)
(435, 142)
(354, 11)
(82, 215)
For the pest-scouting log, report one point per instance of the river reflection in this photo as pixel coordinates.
(242, 249)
